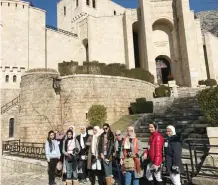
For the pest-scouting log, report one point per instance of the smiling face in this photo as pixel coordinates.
(169, 132)
(118, 137)
(151, 128)
(69, 135)
(51, 136)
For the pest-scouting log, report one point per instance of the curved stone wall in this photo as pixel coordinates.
(80, 92)
(42, 109)
(39, 106)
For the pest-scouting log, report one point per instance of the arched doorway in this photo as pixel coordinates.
(163, 69)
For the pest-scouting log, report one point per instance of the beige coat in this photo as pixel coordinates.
(89, 158)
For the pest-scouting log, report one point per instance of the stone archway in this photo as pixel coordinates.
(163, 69)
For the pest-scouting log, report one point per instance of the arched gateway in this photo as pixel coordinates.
(163, 69)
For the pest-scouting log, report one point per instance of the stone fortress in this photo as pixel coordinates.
(161, 36)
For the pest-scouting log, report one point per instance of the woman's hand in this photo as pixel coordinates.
(145, 155)
(102, 156)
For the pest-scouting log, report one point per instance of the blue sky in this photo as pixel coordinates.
(51, 18)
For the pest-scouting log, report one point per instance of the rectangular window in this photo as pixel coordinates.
(77, 3)
(93, 4)
(87, 2)
(64, 10)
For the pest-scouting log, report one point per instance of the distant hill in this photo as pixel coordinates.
(209, 21)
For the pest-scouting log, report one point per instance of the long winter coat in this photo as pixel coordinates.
(89, 144)
(110, 145)
(173, 152)
(155, 148)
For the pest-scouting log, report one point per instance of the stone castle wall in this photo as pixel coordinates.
(42, 109)
(211, 43)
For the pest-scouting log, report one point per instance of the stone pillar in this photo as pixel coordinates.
(128, 39)
(172, 85)
(213, 139)
(188, 40)
(146, 26)
(203, 73)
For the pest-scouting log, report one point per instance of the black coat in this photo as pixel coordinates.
(83, 151)
(173, 153)
(110, 145)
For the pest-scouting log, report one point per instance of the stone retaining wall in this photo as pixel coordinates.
(42, 109)
(12, 164)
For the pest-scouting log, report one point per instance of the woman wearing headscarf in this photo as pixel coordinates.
(173, 152)
(130, 158)
(82, 166)
(106, 149)
(154, 154)
(71, 148)
(94, 160)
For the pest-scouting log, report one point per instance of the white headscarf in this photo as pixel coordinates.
(81, 138)
(94, 140)
(172, 128)
(127, 143)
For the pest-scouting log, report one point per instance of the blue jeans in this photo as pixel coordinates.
(119, 172)
(70, 171)
(130, 177)
(107, 168)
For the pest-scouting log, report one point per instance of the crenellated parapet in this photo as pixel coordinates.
(11, 76)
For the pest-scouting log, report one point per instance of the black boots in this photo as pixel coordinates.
(159, 183)
(151, 182)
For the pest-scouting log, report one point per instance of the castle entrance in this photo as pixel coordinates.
(163, 69)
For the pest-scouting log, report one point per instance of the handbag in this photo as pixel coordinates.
(59, 166)
(129, 164)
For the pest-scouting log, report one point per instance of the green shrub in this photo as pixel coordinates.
(141, 107)
(162, 91)
(115, 69)
(139, 73)
(42, 70)
(67, 68)
(208, 101)
(97, 115)
(139, 100)
(210, 82)
(201, 82)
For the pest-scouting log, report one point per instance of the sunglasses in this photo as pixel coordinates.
(118, 134)
(130, 130)
(105, 128)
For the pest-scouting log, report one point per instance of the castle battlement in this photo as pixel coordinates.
(12, 69)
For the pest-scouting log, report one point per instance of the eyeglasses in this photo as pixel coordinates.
(105, 128)
(117, 134)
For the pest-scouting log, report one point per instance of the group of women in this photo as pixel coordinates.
(85, 157)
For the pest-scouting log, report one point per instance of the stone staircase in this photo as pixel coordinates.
(184, 114)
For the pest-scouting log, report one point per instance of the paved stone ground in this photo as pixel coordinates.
(31, 178)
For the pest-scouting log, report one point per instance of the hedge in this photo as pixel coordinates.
(97, 115)
(210, 82)
(42, 70)
(208, 101)
(115, 69)
(142, 107)
(162, 91)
